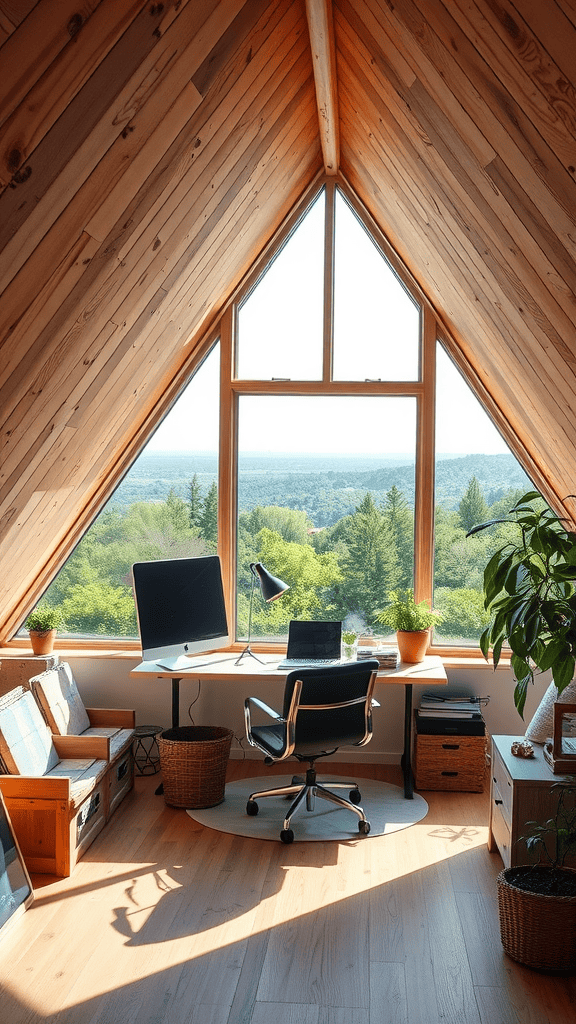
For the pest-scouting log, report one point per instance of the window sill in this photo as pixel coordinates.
(477, 662)
(131, 652)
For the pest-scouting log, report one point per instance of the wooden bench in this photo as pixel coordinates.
(60, 790)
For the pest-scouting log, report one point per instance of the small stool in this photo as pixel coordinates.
(146, 752)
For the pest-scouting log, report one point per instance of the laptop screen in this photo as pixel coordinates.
(307, 639)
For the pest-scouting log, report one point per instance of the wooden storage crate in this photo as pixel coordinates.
(450, 762)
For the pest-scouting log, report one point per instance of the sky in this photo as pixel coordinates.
(375, 335)
(360, 425)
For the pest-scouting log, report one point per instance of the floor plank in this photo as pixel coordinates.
(165, 920)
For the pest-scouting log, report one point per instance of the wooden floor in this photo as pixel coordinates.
(167, 921)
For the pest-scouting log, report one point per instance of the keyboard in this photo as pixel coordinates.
(307, 662)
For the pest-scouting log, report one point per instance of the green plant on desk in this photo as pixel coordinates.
(349, 642)
(404, 615)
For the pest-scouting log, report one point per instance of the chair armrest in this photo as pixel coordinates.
(263, 707)
(251, 702)
(123, 718)
(35, 787)
(97, 747)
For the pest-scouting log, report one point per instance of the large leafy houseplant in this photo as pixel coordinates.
(530, 594)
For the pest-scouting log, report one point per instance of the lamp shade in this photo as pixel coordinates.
(270, 585)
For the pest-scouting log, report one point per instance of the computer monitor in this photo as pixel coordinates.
(180, 608)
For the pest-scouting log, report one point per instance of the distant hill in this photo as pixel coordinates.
(325, 486)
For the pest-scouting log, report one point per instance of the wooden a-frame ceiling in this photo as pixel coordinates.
(148, 153)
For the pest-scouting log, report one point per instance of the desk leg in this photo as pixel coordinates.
(406, 761)
(175, 703)
(175, 720)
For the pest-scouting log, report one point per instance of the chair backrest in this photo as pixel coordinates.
(333, 706)
(61, 703)
(26, 746)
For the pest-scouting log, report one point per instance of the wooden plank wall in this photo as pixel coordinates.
(147, 152)
(458, 129)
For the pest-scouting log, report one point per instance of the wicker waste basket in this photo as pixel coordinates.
(193, 760)
(536, 930)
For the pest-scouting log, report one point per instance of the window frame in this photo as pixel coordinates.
(422, 390)
(223, 327)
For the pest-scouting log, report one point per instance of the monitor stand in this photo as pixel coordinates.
(177, 664)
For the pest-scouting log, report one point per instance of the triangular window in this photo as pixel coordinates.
(325, 472)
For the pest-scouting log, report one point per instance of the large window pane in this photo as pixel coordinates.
(327, 506)
(166, 507)
(376, 321)
(477, 478)
(280, 324)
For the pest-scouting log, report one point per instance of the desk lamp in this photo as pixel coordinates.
(272, 588)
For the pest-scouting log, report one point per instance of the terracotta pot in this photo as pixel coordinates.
(413, 646)
(42, 643)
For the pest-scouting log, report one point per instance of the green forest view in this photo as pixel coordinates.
(342, 569)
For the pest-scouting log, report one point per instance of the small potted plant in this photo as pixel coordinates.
(537, 902)
(412, 623)
(349, 644)
(42, 624)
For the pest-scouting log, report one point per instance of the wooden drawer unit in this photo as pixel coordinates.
(520, 791)
(120, 777)
(450, 762)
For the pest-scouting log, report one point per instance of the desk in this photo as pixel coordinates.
(221, 667)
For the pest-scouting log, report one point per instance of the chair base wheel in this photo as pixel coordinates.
(364, 827)
(252, 807)
(287, 835)
(355, 796)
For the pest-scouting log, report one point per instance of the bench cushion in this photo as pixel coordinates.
(26, 745)
(84, 775)
(57, 694)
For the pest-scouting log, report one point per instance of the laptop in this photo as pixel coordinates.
(312, 644)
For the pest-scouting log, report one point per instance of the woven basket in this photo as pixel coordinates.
(537, 931)
(193, 759)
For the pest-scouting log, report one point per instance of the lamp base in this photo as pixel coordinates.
(250, 654)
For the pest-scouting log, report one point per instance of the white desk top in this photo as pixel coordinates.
(220, 666)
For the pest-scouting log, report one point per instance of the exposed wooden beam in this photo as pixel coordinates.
(323, 48)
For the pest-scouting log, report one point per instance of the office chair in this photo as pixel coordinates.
(324, 708)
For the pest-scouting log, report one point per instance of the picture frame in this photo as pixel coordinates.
(16, 892)
(560, 749)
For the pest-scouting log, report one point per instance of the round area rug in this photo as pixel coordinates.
(385, 807)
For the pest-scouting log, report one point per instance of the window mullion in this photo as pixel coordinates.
(228, 464)
(328, 348)
(425, 463)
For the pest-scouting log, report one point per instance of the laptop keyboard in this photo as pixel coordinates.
(307, 662)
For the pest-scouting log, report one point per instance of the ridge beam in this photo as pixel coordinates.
(323, 49)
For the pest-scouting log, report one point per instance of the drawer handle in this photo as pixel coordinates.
(451, 775)
(498, 801)
(450, 746)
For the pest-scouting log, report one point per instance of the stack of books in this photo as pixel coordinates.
(444, 714)
(385, 654)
